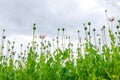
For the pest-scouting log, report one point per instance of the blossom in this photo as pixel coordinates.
(111, 19)
(13, 52)
(42, 36)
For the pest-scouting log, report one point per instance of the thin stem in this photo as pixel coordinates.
(107, 19)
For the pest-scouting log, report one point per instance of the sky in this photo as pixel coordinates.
(18, 16)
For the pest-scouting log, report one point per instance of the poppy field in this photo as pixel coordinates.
(97, 58)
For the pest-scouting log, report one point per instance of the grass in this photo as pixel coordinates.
(101, 59)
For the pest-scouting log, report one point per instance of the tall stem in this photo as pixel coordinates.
(107, 19)
(33, 41)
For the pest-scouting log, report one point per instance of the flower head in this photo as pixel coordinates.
(42, 36)
(13, 52)
(111, 19)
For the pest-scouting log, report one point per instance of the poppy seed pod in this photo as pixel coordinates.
(58, 29)
(8, 49)
(34, 26)
(118, 32)
(117, 27)
(103, 27)
(53, 39)
(88, 33)
(105, 10)
(3, 30)
(115, 32)
(12, 47)
(2, 47)
(89, 23)
(63, 29)
(119, 21)
(69, 37)
(13, 42)
(78, 31)
(94, 29)
(85, 28)
(21, 44)
(4, 37)
(84, 24)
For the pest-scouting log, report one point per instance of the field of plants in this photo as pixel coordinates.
(97, 58)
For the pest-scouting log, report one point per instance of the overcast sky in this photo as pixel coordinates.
(18, 16)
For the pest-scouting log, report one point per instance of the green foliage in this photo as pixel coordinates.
(95, 64)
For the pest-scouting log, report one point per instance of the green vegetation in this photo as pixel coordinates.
(101, 59)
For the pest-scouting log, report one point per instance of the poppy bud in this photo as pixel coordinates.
(103, 27)
(118, 20)
(94, 29)
(88, 33)
(117, 27)
(34, 26)
(4, 37)
(89, 23)
(105, 10)
(58, 29)
(63, 29)
(115, 32)
(3, 30)
(85, 28)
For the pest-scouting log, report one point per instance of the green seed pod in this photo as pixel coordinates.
(21, 44)
(53, 39)
(88, 33)
(115, 32)
(13, 42)
(117, 27)
(3, 30)
(63, 29)
(8, 49)
(58, 29)
(19, 56)
(4, 37)
(12, 47)
(34, 26)
(94, 29)
(85, 28)
(84, 24)
(2, 47)
(119, 32)
(89, 23)
(103, 27)
(105, 10)
(119, 21)
(69, 37)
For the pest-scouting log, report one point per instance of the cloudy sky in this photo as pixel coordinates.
(18, 16)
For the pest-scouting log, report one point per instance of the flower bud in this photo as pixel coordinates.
(94, 29)
(89, 23)
(105, 10)
(63, 29)
(34, 26)
(117, 27)
(85, 28)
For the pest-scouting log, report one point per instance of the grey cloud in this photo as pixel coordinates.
(18, 16)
